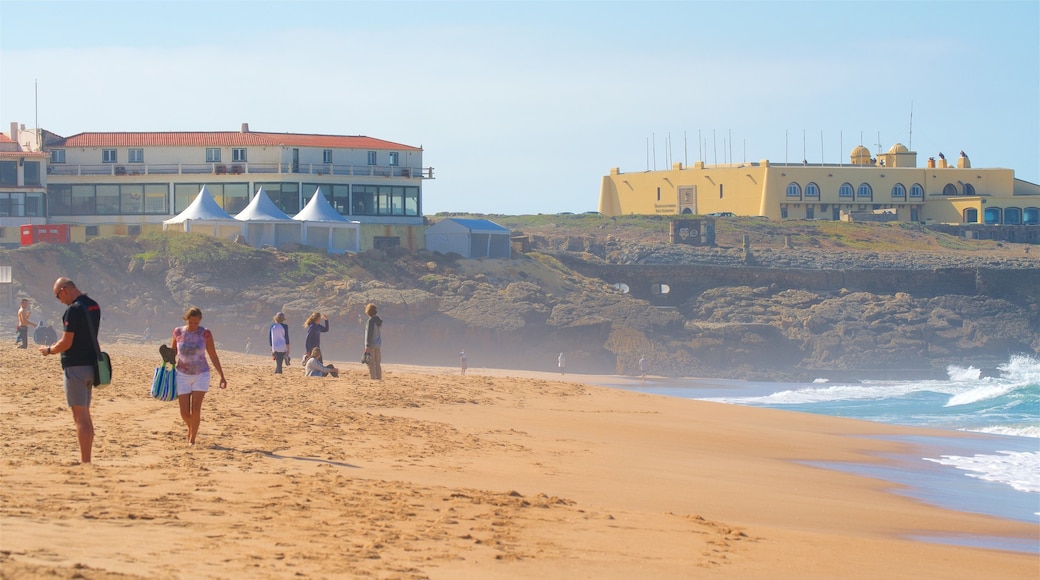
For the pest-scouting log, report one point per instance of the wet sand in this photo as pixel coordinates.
(426, 474)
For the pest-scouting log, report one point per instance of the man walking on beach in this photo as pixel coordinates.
(24, 324)
(562, 363)
(642, 369)
(462, 361)
(77, 346)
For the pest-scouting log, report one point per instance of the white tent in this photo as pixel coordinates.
(469, 238)
(265, 224)
(204, 215)
(324, 227)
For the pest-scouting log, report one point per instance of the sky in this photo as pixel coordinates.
(523, 107)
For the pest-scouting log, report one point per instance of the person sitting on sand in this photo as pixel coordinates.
(315, 366)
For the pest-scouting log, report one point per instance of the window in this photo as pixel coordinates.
(812, 190)
(794, 191)
(383, 242)
(898, 191)
(1012, 215)
(109, 156)
(91, 231)
(31, 173)
(238, 155)
(969, 189)
(135, 156)
(810, 212)
(916, 190)
(286, 196)
(326, 156)
(783, 212)
(845, 190)
(371, 157)
(950, 189)
(971, 216)
(212, 155)
(8, 173)
(394, 157)
(57, 156)
(864, 191)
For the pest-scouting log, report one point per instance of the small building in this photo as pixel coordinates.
(469, 238)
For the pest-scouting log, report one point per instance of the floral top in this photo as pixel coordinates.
(191, 350)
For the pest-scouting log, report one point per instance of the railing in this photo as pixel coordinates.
(233, 169)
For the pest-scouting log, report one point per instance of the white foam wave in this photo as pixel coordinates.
(988, 391)
(831, 393)
(1032, 431)
(1019, 469)
(820, 381)
(960, 374)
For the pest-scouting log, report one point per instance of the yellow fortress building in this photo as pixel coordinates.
(887, 187)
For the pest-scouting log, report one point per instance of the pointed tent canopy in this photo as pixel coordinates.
(203, 208)
(205, 216)
(318, 209)
(261, 208)
(266, 225)
(324, 227)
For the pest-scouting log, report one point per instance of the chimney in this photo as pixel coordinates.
(245, 127)
(14, 132)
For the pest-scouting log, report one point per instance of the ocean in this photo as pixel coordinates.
(994, 472)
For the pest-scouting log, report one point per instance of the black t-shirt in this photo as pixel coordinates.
(82, 352)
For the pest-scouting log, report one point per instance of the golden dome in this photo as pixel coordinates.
(860, 155)
(898, 148)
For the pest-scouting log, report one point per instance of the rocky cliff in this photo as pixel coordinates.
(521, 313)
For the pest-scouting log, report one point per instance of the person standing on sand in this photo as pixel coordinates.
(561, 362)
(249, 344)
(278, 338)
(78, 357)
(374, 342)
(191, 344)
(24, 324)
(314, 331)
(462, 361)
(642, 368)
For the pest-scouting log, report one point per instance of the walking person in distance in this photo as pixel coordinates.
(374, 342)
(24, 323)
(314, 330)
(278, 338)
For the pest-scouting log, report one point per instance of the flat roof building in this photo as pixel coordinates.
(888, 186)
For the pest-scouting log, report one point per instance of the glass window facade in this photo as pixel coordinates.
(232, 197)
(108, 199)
(380, 200)
(284, 195)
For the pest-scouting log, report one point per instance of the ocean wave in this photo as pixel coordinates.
(1019, 469)
(1032, 431)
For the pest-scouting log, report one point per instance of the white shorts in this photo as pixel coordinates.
(188, 384)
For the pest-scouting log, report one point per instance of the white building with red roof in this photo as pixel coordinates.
(109, 183)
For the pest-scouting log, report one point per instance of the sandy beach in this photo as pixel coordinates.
(426, 474)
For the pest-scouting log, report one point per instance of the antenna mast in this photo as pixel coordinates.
(910, 145)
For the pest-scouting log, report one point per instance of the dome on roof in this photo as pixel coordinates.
(898, 148)
(860, 155)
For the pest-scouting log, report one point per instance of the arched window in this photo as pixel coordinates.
(1012, 215)
(969, 189)
(898, 191)
(794, 190)
(658, 289)
(812, 191)
(864, 191)
(992, 215)
(971, 216)
(916, 190)
(845, 190)
(1031, 216)
(950, 189)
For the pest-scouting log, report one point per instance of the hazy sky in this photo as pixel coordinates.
(522, 107)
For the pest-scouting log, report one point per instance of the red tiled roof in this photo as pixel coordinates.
(226, 139)
(5, 139)
(26, 154)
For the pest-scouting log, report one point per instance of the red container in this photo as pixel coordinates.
(47, 233)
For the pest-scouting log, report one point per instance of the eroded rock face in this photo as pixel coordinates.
(521, 313)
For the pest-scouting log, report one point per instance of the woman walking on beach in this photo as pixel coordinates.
(191, 344)
(374, 342)
(278, 338)
(314, 331)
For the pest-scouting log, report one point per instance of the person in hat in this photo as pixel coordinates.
(278, 338)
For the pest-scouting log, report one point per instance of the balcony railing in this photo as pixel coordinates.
(232, 169)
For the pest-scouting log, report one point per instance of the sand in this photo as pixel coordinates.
(499, 474)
